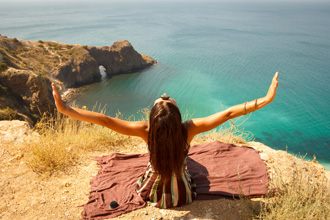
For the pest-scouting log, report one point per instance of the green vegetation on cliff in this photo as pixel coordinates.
(3, 66)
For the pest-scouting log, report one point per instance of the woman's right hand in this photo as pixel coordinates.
(272, 89)
(61, 107)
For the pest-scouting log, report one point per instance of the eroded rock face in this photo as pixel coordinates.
(32, 91)
(80, 70)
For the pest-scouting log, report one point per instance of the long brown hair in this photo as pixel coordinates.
(167, 139)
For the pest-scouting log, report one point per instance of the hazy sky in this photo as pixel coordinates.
(95, 1)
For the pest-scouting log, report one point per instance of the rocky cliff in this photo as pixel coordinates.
(120, 58)
(27, 68)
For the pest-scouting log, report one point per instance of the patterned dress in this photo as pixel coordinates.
(178, 191)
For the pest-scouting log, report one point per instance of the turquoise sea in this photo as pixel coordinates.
(212, 55)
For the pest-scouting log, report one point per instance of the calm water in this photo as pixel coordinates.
(211, 55)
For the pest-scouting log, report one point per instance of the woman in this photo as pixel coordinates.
(166, 183)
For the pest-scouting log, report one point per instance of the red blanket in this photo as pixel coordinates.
(218, 169)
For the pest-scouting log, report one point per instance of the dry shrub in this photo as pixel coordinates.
(305, 196)
(63, 140)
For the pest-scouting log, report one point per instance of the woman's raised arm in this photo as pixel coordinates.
(199, 125)
(138, 128)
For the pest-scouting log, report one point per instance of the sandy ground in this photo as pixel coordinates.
(27, 195)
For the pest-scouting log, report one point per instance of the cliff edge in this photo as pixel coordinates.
(27, 194)
(27, 69)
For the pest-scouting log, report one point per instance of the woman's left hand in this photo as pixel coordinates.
(272, 89)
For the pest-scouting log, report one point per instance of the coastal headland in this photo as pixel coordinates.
(27, 69)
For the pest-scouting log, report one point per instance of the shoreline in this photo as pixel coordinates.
(71, 94)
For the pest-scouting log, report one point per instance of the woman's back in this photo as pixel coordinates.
(176, 190)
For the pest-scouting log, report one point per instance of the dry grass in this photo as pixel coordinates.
(305, 196)
(62, 141)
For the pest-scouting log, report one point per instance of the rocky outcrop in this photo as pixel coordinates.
(31, 93)
(120, 58)
(82, 69)
(28, 68)
(117, 59)
(14, 131)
